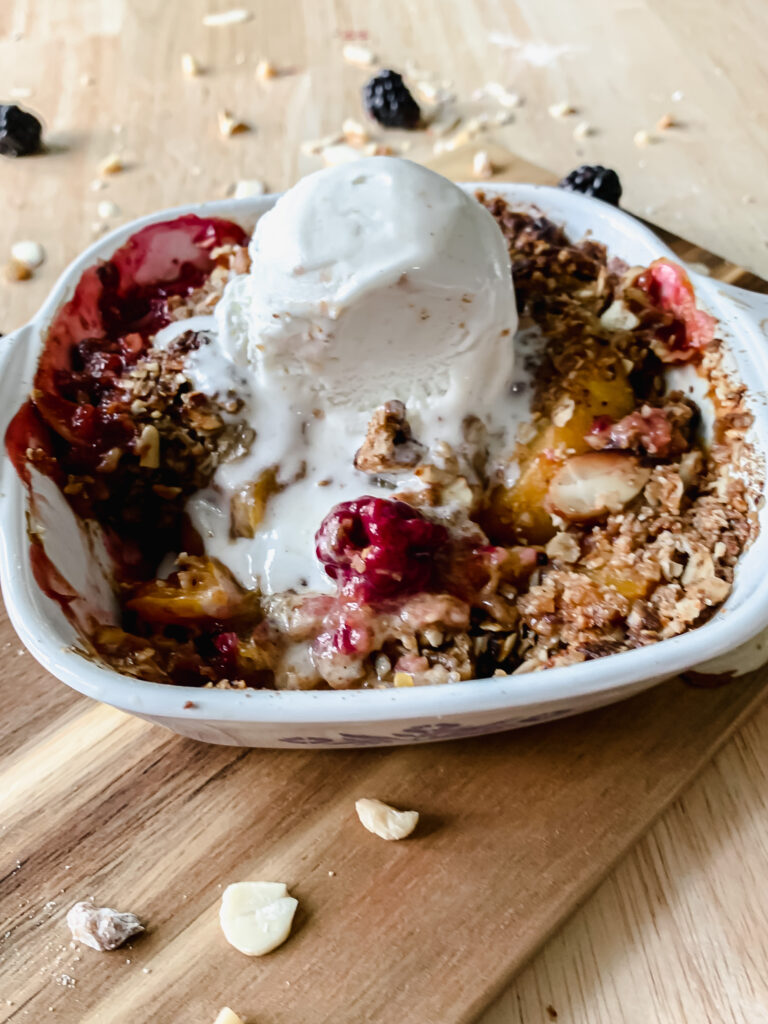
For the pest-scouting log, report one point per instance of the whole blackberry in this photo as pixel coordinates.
(388, 101)
(597, 181)
(20, 131)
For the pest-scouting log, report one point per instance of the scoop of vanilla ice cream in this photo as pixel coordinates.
(373, 280)
(370, 281)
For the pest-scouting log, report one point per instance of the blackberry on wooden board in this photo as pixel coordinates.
(388, 100)
(598, 181)
(20, 132)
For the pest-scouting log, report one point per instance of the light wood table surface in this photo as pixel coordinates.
(679, 931)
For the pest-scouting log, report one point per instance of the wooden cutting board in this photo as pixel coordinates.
(515, 831)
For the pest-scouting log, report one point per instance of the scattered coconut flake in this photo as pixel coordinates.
(107, 209)
(500, 93)
(234, 17)
(16, 271)
(229, 125)
(360, 56)
(665, 121)
(111, 164)
(384, 821)
(677, 95)
(582, 130)
(30, 254)
(265, 70)
(562, 109)
(481, 165)
(190, 65)
(248, 187)
(641, 138)
(354, 133)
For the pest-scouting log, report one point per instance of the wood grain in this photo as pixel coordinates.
(95, 803)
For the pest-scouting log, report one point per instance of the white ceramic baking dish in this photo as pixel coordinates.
(386, 717)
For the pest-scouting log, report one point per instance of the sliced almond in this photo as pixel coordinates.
(384, 821)
(256, 917)
(589, 486)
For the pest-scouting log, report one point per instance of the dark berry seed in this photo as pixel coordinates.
(20, 131)
(387, 99)
(597, 181)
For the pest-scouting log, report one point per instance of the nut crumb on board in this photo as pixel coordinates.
(236, 16)
(385, 821)
(101, 928)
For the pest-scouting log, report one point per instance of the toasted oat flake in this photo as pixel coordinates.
(190, 66)
(111, 164)
(360, 56)
(265, 70)
(385, 821)
(562, 109)
(230, 125)
(101, 928)
(29, 254)
(235, 16)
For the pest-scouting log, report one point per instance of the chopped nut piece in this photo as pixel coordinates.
(354, 133)
(389, 446)
(384, 821)
(227, 1016)
(229, 125)
(256, 917)
(190, 65)
(588, 486)
(15, 270)
(642, 138)
(665, 121)
(562, 109)
(248, 187)
(148, 447)
(481, 165)
(101, 928)
(29, 254)
(358, 55)
(107, 209)
(111, 164)
(234, 17)
(265, 70)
